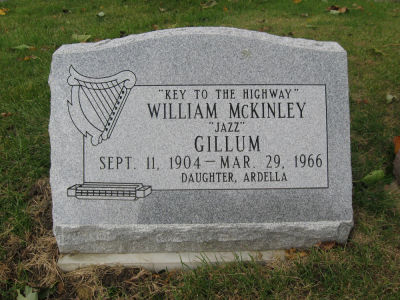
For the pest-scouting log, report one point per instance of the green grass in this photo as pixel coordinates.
(367, 267)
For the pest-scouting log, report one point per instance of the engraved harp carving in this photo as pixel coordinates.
(96, 103)
(94, 108)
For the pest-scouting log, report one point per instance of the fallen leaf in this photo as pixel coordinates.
(225, 8)
(396, 167)
(155, 27)
(294, 253)
(209, 4)
(390, 98)
(101, 14)
(22, 47)
(81, 37)
(336, 10)
(161, 9)
(29, 57)
(326, 245)
(363, 101)
(29, 294)
(6, 114)
(373, 177)
(296, 1)
(396, 142)
(305, 15)
(289, 253)
(303, 253)
(3, 11)
(261, 21)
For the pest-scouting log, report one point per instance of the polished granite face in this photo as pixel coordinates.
(199, 139)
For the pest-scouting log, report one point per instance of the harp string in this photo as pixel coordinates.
(101, 115)
(113, 92)
(98, 92)
(91, 103)
(105, 90)
(104, 98)
(114, 87)
(100, 104)
(105, 105)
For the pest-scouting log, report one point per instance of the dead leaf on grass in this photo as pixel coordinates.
(28, 57)
(208, 4)
(82, 38)
(390, 98)
(396, 142)
(337, 10)
(326, 245)
(155, 27)
(296, 1)
(3, 11)
(6, 114)
(161, 9)
(362, 101)
(294, 253)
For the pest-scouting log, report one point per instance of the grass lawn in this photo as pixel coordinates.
(367, 267)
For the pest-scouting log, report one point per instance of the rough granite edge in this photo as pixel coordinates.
(198, 237)
(328, 46)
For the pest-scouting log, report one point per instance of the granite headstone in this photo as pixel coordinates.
(199, 140)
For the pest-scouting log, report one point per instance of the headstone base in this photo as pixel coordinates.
(167, 260)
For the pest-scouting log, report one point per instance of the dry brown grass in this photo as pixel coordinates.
(37, 253)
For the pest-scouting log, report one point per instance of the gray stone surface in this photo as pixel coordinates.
(160, 261)
(166, 213)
